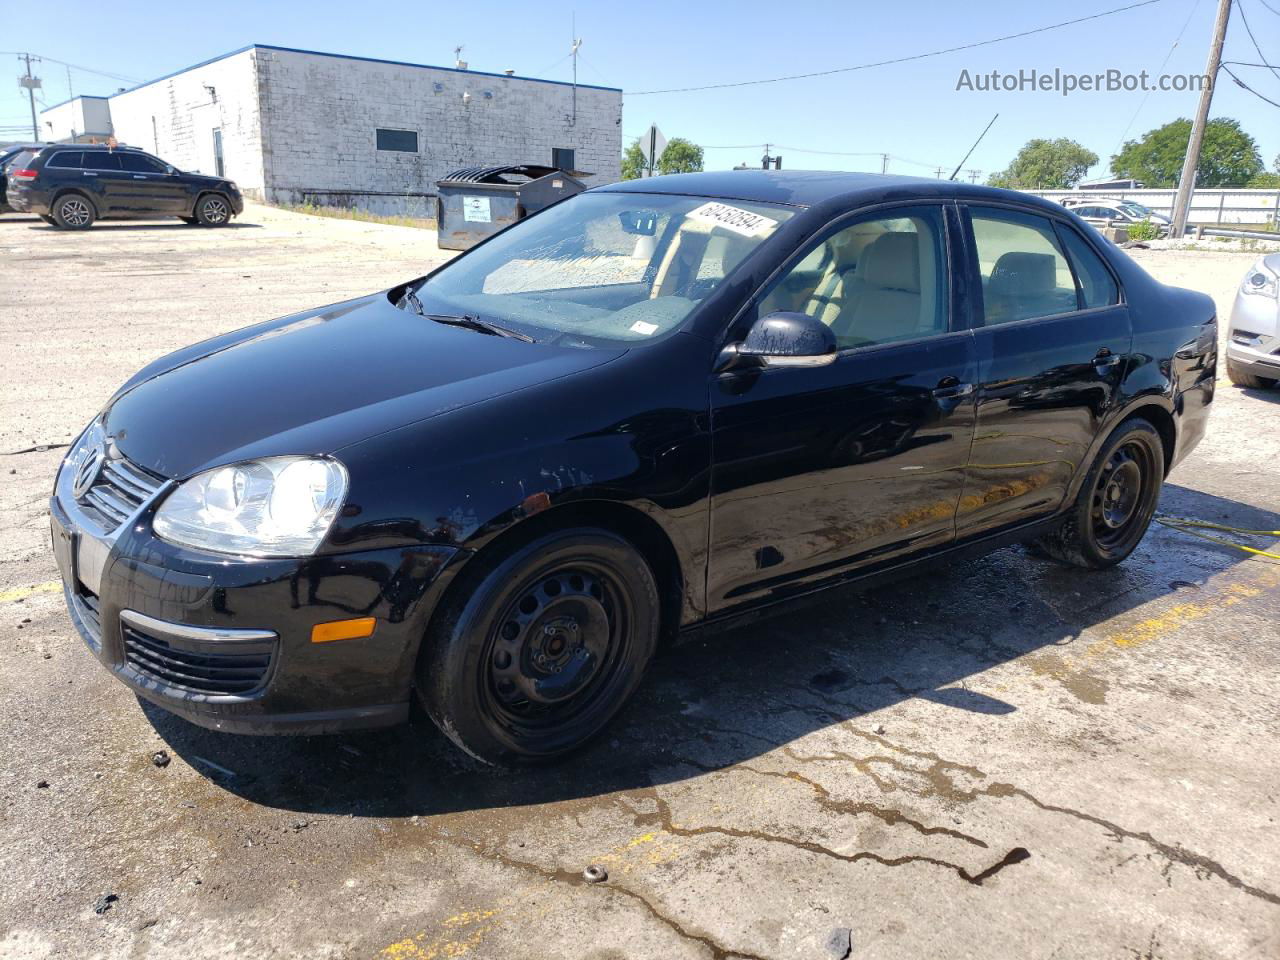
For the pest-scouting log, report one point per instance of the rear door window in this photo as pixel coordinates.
(1024, 272)
(66, 160)
(1097, 285)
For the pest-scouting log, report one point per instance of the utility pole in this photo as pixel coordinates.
(1187, 182)
(973, 175)
(884, 163)
(32, 84)
(938, 173)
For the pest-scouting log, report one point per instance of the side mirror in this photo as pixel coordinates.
(170, 169)
(784, 340)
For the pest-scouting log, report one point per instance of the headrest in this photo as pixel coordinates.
(1027, 274)
(891, 262)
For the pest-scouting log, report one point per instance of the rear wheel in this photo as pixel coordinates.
(212, 210)
(536, 654)
(74, 212)
(1242, 378)
(1116, 502)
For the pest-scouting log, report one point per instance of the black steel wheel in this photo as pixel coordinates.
(535, 654)
(73, 211)
(1116, 502)
(213, 210)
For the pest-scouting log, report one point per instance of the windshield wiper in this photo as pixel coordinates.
(475, 323)
(463, 320)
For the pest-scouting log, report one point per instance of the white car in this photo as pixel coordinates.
(1253, 339)
(1101, 211)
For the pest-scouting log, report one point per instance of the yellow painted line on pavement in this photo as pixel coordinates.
(21, 593)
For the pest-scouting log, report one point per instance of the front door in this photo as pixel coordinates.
(153, 189)
(818, 471)
(1053, 339)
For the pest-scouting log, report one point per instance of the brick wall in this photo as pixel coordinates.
(320, 114)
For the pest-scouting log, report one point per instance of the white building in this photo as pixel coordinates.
(77, 120)
(296, 126)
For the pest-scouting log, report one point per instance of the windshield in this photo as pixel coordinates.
(609, 266)
(1137, 209)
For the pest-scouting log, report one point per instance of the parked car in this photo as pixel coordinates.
(1130, 207)
(658, 404)
(1105, 213)
(7, 154)
(72, 185)
(1253, 339)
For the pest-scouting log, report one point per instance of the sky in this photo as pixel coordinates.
(911, 111)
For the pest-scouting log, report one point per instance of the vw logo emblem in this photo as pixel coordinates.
(87, 472)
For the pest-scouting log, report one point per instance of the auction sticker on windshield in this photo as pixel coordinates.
(733, 218)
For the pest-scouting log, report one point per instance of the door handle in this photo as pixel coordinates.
(1104, 359)
(950, 388)
(86, 173)
(139, 176)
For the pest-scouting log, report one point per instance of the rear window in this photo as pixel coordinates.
(20, 161)
(66, 159)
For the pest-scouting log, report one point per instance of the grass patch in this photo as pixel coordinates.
(350, 213)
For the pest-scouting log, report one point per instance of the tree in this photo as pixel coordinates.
(1228, 157)
(1046, 165)
(681, 156)
(1270, 181)
(633, 161)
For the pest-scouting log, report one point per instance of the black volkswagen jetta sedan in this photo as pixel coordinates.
(654, 405)
(71, 185)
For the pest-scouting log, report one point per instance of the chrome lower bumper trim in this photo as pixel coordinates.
(181, 631)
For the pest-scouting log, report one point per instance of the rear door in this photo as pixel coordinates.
(102, 172)
(819, 471)
(1053, 338)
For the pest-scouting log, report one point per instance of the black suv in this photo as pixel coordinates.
(72, 185)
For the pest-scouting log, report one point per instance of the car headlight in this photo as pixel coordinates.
(1259, 281)
(273, 507)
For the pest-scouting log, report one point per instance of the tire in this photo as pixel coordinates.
(74, 211)
(533, 655)
(213, 210)
(1116, 502)
(48, 219)
(1242, 379)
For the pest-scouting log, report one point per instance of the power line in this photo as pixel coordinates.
(1241, 83)
(1146, 96)
(1270, 7)
(908, 59)
(74, 66)
(1249, 30)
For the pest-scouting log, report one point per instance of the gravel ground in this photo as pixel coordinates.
(1006, 758)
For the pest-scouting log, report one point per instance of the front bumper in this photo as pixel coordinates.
(226, 642)
(1256, 362)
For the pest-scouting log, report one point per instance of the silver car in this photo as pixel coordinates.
(1253, 340)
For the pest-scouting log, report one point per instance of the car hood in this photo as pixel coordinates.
(316, 382)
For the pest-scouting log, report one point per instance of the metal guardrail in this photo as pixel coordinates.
(1201, 232)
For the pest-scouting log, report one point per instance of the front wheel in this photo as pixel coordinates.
(1116, 503)
(213, 210)
(535, 654)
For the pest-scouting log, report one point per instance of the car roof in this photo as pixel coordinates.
(90, 146)
(805, 188)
